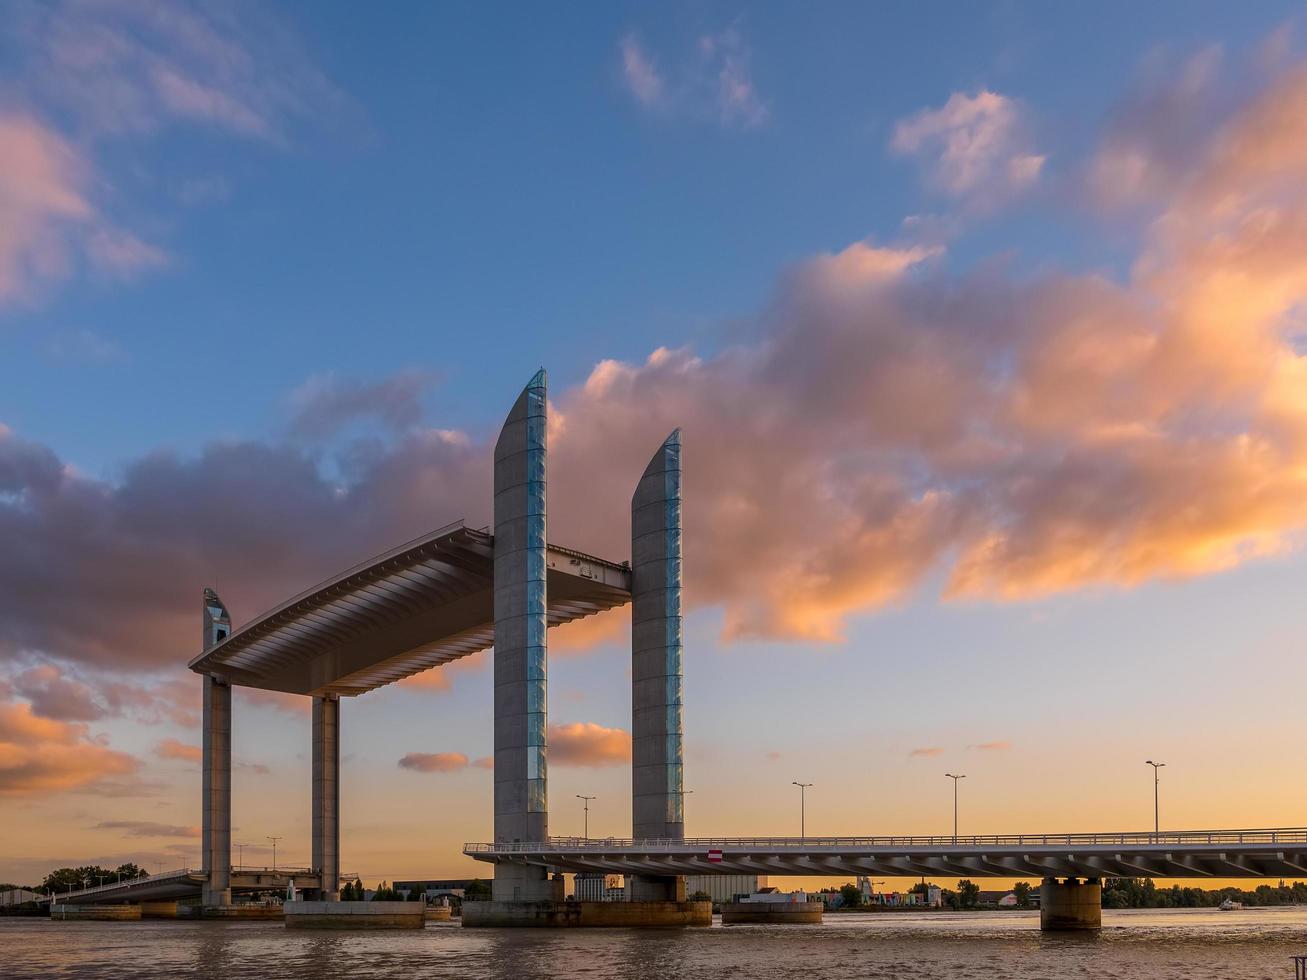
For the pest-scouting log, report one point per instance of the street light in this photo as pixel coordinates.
(955, 802)
(587, 812)
(240, 854)
(274, 851)
(1157, 779)
(803, 792)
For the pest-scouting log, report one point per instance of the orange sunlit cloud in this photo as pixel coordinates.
(584, 743)
(171, 748)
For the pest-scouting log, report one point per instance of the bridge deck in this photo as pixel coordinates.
(184, 883)
(1262, 853)
(415, 607)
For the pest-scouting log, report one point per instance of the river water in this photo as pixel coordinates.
(1134, 945)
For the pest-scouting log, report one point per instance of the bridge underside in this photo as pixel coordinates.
(1188, 860)
(419, 606)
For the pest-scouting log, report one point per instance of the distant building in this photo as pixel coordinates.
(596, 886)
(724, 888)
(435, 887)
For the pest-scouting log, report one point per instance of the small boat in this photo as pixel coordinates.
(1230, 905)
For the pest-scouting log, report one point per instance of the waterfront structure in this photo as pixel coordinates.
(724, 887)
(458, 590)
(447, 595)
(596, 886)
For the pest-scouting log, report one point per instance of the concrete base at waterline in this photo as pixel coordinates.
(439, 913)
(1070, 905)
(95, 913)
(158, 910)
(241, 912)
(772, 913)
(599, 915)
(355, 915)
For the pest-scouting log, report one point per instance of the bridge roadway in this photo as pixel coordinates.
(1265, 853)
(185, 883)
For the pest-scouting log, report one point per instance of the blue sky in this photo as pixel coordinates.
(482, 183)
(330, 243)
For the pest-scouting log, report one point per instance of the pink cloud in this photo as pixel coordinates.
(588, 744)
(41, 755)
(929, 752)
(973, 145)
(999, 746)
(171, 748)
(434, 761)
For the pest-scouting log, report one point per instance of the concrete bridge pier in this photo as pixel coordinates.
(215, 808)
(657, 763)
(521, 659)
(326, 796)
(1070, 905)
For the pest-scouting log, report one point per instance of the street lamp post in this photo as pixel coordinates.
(955, 802)
(803, 808)
(587, 812)
(1157, 779)
(240, 854)
(274, 851)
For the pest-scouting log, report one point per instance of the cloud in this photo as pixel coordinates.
(52, 695)
(588, 744)
(171, 748)
(434, 761)
(974, 146)
(484, 762)
(715, 81)
(122, 67)
(146, 828)
(1000, 746)
(642, 77)
(930, 752)
(325, 404)
(83, 74)
(45, 216)
(59, 692)
(773, 756)
(1010, 437)
(42, 755)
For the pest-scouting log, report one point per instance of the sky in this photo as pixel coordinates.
(984, 325)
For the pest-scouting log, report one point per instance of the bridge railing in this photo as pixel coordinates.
(1181, 838)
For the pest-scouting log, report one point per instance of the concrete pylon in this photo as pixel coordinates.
(657, 764)
(1071, 905)
(326, 796)
(215, 807)
(521, 750)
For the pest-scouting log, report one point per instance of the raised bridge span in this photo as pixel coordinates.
(1261, 853)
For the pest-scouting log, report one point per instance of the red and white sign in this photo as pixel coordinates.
(715, 856)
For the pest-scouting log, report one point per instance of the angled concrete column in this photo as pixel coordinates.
(656, 752)
(521, 806)
(215, 807)
(326, 796)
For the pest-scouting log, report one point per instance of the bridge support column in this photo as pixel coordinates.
(216, 788)
(326, 796)
(657, 773)
(1070, 904)
(521, 798)
(215, 807)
